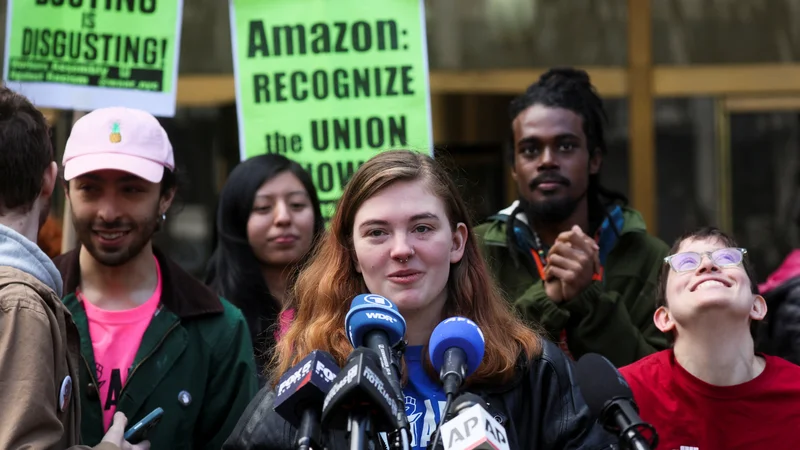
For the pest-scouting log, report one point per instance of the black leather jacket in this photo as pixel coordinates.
(779, 333)
(541, 409)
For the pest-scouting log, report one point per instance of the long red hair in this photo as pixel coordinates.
(329, 282)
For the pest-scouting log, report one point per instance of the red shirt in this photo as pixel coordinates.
(690, 414)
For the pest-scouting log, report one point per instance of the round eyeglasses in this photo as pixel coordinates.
(723, 257)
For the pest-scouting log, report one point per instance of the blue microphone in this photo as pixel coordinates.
(456, 350)
(369, 313)
(375, 322)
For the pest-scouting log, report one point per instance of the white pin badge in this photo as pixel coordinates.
(65, 393)
(184, 398)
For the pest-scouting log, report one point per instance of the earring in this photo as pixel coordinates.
(164, 217)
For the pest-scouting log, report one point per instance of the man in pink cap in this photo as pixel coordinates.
(152, 336)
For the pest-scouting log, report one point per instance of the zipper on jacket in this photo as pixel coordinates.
(92, 376)
(93, 380)
(157, 346)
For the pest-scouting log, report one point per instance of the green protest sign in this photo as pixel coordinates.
(330, 83)
(87, 54)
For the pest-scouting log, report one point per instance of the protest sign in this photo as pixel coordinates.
(330, 83)
(88, 54)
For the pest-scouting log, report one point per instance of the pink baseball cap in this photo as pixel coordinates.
(125, 139)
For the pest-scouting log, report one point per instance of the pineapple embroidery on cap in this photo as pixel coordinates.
(115, 137)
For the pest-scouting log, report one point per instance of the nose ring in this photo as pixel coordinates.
(403, 261)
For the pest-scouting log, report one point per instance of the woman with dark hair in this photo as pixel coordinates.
(401, 230)
(268, 219)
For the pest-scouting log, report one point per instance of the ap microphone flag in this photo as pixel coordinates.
(473, 428)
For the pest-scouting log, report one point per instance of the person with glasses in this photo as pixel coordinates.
(711, 390)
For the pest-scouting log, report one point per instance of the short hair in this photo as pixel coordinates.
(701, 234)
(169, 181)
(25, 151)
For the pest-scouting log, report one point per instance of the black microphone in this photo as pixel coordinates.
(360, 400)
(610, 400)
(301, 392)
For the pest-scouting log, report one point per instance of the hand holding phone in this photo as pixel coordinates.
(140, 430)
(114, 435)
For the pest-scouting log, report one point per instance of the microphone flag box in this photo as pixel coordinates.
(361, 388)
(474, 428)
(306, 383)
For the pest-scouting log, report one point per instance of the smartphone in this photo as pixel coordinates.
(138, 432)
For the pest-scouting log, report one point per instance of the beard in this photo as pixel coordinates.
(553, 210)
(140, 234)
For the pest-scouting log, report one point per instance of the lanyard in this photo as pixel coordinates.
(540, 259)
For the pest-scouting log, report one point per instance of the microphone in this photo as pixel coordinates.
(362, 390)
(610, 399)
(375, 322)
(473, 427)
(301, 393)
(456, 350)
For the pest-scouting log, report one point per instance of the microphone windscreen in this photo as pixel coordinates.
(457, 332)
(468, 399)
(600, 382)
(370, 312)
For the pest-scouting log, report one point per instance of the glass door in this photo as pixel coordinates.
(759, 148)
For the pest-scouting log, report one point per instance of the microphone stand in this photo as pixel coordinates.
(306, 430)
(359, 428)
(399, 439)
(359, 425)
(630, 430)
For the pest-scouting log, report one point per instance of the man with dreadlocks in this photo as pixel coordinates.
(569, 253)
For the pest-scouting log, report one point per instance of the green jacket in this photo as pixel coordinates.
(613, 317)
(196, 343)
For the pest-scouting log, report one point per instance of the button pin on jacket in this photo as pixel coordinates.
(91, 391)
(65, 393)
(184, 398)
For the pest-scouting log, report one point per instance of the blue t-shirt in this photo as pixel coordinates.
(425, 399)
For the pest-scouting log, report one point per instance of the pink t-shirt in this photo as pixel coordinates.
(116, 336)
